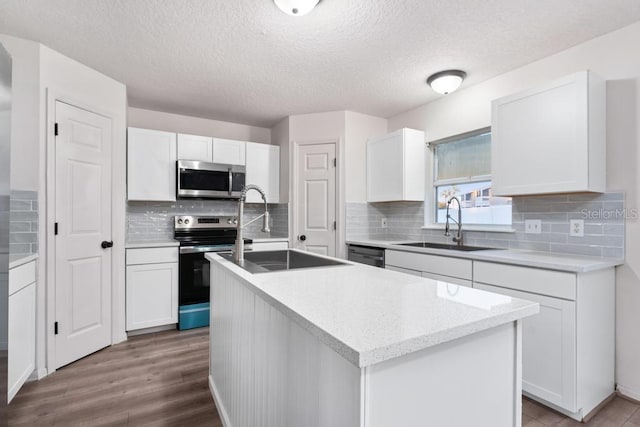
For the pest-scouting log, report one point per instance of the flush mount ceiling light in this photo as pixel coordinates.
(296, 7)
(447, 81)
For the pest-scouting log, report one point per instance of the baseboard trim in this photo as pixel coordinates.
(628, 393)
(597, 409)
(153, 329)
(221, 409)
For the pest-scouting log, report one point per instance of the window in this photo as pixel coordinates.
(462, 169)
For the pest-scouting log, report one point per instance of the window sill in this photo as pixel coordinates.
(473, 227)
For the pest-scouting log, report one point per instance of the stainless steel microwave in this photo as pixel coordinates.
(205, 180)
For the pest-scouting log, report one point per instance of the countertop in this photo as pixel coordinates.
(18, 260)
(152, 244)
(546, 260)
(369, 315)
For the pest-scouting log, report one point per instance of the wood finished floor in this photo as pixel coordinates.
(152, 380)
(161, 380)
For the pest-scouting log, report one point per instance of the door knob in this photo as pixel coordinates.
(302, 238)
(106, 244)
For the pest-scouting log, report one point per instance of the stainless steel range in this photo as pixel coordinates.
(198, 235)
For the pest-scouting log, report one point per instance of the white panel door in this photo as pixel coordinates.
(83, 215)
(193, 147)
(317, 199)
(263, 169)
(151, 165)
(229, 151)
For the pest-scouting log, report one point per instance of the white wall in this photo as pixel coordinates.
(359, 128)
(615, 57)
(169, 122)
(25, 120)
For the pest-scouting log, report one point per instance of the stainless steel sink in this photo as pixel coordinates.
(452, 247)
(266, 261)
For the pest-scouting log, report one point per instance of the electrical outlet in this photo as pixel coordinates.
(576, 228)
(533, 226)
(383, 223)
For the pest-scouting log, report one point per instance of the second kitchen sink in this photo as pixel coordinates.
(448, 246)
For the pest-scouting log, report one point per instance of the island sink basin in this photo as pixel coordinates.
(446, 246)
(266, 261)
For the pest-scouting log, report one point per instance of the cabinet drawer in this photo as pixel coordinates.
(21, 276)
(152, 255)
(543, 282)
(445, 266)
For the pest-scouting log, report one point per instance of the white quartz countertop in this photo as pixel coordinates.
(18, 260)
(369, 315)
(546, 260)
(152, 244)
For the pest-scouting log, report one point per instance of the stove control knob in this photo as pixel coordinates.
(229, 221)
(235, 221)
(180, 221)
(186, 221)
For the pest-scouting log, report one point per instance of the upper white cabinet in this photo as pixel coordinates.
(151, 165)
(550, 139)
(263, 169)
(229, 151)
(396, 165)
(194, 147)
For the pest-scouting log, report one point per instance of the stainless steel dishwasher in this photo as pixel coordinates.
(366, 255)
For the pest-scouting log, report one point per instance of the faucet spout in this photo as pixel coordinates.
(239, 250)
(458, 237)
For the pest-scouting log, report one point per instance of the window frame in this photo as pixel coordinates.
(431, 196)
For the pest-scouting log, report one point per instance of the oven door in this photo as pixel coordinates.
(194, 277)
(209, 180)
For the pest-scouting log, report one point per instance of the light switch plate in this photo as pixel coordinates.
(383, 223)
(533, 226)
(576, 228)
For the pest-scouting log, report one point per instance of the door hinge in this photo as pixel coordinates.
(55, 328)
(55, 129)
(335, 225)
(335, 162)
(55, 229)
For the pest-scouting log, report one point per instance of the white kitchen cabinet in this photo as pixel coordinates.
(550, 139)
(396, 166)
(229, 151)
(568, 348)
(442, 267)
(22, 326)
(152, 287)
(263, 169)
(269, 246)
(404, 270)
(194, 147)
(151, 165)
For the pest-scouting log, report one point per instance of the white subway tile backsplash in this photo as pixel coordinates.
(23, 222)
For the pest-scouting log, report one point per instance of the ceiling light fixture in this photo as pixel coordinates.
(447, 81)
(296, 7)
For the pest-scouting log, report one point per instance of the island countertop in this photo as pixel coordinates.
(369, 315)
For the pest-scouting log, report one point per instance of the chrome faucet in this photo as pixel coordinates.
(238, 255)
(458, 237)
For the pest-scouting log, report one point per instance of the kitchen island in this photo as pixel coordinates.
(353, 345)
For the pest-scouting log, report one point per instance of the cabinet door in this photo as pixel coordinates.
(152, 295)
(263, 169)
(540, 139)
(229, 151)
(548, 348)
(193, 147)
(22, 338)
(151, 165)
(385, 168)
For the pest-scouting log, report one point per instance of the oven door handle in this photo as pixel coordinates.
(200, 249)
(230, 182)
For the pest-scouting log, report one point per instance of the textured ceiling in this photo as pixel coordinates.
(247, 62)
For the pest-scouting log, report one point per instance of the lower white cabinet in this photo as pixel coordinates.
(22, 326)
(269, 246)
(152, 287)
(568, 348)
